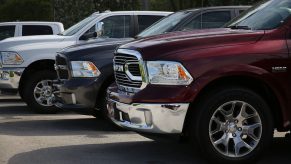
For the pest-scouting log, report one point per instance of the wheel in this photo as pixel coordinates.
(232, 125)
(38, 92)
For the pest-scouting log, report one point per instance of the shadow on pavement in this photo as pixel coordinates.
(14, 122)
(87, 126)
(20, 109)
(280, 152)
(12, 110)
(5, 100)
(147, 152)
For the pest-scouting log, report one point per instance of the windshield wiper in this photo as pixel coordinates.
(240, 27)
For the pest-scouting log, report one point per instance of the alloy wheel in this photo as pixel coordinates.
(235, 129)
(43, 93)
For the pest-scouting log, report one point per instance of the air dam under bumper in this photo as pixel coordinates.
(150, 118)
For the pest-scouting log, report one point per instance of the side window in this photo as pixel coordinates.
(117, 26)
(195, 23)
(144, 21)
(91, 30)
(7, 32)
(28, 30)
(214, 19)
(241, 11)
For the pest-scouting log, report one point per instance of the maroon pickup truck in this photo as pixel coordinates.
(226, 89)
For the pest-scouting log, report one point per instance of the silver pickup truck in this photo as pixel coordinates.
(17, 29)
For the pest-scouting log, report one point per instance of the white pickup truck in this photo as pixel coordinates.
(15, 29)
(27, 63)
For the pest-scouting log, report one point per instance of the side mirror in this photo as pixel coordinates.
(88, 36)
(99, 29)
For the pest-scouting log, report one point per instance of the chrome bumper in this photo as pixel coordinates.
(151, 118)
(10, 77)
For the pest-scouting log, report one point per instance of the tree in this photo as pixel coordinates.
(71, 11)
(26, 10)
(145, 4)
(175, 5)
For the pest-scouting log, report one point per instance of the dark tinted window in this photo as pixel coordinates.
(28, 30)
(6, 32)
(213, 19)
(166, 24)
(117, 27)
(144, 21)
(266, 15)
(91, 30)
(80, 25)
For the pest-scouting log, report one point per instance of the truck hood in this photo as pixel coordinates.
(92, 50)
(173, 43)
(95, 44)
(7, 44)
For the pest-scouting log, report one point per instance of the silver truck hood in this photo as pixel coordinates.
(8, 44)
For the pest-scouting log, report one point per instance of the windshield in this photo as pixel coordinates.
(77, 27)
(166, 24)
(266, 15)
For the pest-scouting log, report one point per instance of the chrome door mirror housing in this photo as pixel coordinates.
(99, 29)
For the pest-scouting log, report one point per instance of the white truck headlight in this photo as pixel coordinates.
(168, 73)
(11, 58)
(84, 69)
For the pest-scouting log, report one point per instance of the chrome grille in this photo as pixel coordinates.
(127, 70)
(62, 67)
(134, 69)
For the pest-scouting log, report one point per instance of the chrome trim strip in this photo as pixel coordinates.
(151, 118)
(142, 66)
(135, 78)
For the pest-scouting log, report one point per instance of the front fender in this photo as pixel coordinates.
(213, 77)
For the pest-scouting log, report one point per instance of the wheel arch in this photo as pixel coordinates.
(105, 84)
(249, 82)
(47, 64)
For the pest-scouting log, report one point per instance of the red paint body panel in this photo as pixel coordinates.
(212, 54)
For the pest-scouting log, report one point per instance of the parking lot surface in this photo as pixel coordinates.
(66, 138)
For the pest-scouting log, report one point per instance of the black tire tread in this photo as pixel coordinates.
(209, 101)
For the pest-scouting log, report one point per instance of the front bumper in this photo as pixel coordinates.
(10, 78)
(149, 118)
(77, 94)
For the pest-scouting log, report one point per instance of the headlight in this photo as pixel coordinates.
(11, 58)
(84, 69)
(168, 73)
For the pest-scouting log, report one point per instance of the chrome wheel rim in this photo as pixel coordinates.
(235, 129)
(43, 93)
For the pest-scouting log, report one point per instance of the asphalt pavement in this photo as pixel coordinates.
(68, 138)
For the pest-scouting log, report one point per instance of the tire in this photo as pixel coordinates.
(215, 109)
(101, 111)
(29, 94)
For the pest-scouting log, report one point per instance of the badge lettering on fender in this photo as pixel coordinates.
(279, 69)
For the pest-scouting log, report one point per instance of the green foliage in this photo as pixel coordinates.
(71, 11)
(175, 5)
(26, 10)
